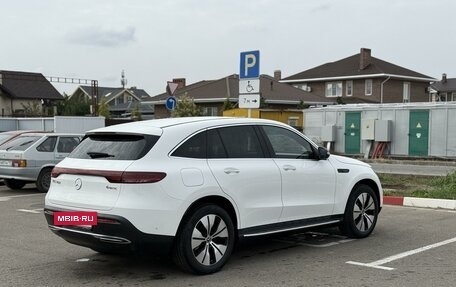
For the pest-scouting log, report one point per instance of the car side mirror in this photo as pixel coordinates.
(322, 153)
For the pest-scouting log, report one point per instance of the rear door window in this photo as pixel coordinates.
(67, 144)
(48, 145)
(241, 142)
(114, 147)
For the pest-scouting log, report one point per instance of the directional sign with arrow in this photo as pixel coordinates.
(249, 101)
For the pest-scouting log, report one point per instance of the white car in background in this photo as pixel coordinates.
(193, 186)
(30, 158)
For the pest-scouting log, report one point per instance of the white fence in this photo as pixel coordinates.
(442, 125)
(55, 124)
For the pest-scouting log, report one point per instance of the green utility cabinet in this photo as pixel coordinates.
(352, 132)
(418, 132)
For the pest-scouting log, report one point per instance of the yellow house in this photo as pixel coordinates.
(291, 117)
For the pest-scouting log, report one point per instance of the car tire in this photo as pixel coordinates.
(361, 212)
(44, 180)
(201, 252)
(14, 183)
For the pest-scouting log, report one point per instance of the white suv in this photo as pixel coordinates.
(193, 186)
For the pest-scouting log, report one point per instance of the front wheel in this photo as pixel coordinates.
(44, 180)
(205, 241)
(361, 212)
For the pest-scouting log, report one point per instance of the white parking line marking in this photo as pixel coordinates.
(83, 260)
(377, 264)
(36, 210)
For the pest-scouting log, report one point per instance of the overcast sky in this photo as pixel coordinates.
(155, 41)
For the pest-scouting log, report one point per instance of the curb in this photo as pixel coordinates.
(420, 202)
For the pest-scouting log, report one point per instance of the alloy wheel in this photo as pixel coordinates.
(364, 212)
(210, 239)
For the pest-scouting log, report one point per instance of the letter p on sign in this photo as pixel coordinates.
(250, 65)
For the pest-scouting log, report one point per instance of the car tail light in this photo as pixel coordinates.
(114, 176)
(142, 177)
(19, 163)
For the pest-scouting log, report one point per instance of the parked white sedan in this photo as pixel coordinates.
(30, 157)
(193, 186)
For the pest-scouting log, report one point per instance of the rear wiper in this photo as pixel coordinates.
(99, 154)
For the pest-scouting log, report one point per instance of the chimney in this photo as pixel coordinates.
(180, 82)
(444, 78)
(364, 58)
(277, 75)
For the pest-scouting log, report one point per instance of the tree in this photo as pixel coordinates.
(227, 105)
(103, 109)
(73, 106)
(302, 106)
(186, 107)
(32, 109)
(136, 113)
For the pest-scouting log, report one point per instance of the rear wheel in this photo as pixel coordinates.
(361, 212)
(14, 183)
(205, 241)
(44, 180)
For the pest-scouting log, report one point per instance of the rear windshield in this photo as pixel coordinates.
(4, 137)
(20, 143)
(114, 147)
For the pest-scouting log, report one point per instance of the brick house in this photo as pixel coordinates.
(22, 90)
(443, 90)
(211, 95)
(362, 78)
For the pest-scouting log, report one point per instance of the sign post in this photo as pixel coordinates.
(249, 82)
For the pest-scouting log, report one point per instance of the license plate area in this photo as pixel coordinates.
(5, 163)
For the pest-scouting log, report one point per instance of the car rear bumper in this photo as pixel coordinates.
(113, 233)
(21, 173)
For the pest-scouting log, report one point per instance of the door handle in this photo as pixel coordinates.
(288, 167)
(231, 170)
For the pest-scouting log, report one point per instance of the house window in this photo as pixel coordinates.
(293, 121)
(406, 92)
(368, 87)
(334, 89)
(210, 111)
(348, 88)
(303, 87)
(453, 96)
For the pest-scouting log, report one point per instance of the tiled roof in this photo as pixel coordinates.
(228, 87)
(350, 66)
(109, 93)
(448, 86)
(24, 85)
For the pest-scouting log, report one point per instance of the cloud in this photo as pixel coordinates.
(321, 8)
(98, 36)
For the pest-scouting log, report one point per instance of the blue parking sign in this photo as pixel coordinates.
(250, 65)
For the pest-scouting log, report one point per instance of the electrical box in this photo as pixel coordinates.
(383, 130)
(328, 133)
(368, 129)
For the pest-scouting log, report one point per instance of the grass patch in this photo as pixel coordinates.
(442, 187)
